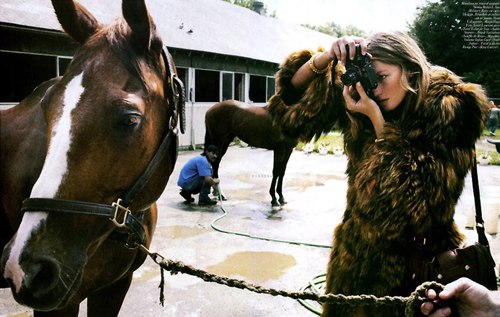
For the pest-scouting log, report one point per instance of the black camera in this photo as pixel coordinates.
(360, 69)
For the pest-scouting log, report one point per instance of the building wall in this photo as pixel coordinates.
(30, 56)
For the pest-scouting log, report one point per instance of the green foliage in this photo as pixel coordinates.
(493, 156)
(439, 28)
(328, 28)
(249, 5)
(336, 30)
(333, 140)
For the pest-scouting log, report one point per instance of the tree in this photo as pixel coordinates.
(336, 30)
(249, 4)
(445, 32)
(328, 28)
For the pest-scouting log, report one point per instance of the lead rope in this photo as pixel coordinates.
(410, 303)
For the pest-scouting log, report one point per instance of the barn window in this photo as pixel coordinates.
(239, 87)
(257, 91)
(227, 86)
(207, 85)
(62, 65)
(271, 87)
(261, 88)
(24, 73)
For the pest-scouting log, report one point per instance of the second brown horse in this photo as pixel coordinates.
(254, 125)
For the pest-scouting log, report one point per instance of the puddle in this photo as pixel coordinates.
(274, 216)
(180, 232)
(184, 206)
(145, 273)
(254, 266)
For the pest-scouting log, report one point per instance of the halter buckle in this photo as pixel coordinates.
(175, 91)
(115, 219)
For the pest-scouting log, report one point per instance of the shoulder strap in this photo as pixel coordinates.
(477, 201)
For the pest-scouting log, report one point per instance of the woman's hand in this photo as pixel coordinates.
(365, 105)
(337, 52)
(472, 299)
(338, 49)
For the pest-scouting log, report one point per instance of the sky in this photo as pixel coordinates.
(368, 15)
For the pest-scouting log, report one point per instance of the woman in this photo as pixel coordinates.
(409, 151)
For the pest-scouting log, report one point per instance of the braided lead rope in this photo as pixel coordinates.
(410, 303)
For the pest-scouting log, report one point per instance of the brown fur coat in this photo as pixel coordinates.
(404, 187)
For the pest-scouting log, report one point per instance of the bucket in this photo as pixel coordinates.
(470, 214)
(491, 211)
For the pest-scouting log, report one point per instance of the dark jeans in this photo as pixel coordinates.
(492, 124)
(197, 185)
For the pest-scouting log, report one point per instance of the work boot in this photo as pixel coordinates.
(218, 195)
(206, 201)
(186, 196)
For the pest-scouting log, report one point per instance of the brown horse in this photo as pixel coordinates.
(97, 143)
(254, 125)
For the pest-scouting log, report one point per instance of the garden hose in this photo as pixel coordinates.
(248, 235)
(316, 286)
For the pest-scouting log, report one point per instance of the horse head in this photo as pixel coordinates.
(110, 134)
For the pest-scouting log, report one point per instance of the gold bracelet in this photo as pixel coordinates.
(313, 67)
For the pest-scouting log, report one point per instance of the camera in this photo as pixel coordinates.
(360, 69)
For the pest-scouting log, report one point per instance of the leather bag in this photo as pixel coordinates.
(474, 261)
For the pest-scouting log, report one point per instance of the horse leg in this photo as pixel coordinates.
(272, 192)
(107, 301)
(217, 192)
(276, 173)
(68, 311)
(279, 190)
(282, 160)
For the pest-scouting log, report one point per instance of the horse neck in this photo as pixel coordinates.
(23, 148)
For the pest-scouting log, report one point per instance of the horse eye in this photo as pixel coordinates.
(132, 119)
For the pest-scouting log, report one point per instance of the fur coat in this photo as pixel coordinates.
(401, 190)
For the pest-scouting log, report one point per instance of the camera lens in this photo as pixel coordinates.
(350, 77)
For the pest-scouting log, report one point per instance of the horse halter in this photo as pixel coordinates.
(119, 212)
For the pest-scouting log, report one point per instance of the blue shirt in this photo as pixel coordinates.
(198, 166)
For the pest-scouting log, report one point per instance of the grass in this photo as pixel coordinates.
(494, 156)
(334, 141)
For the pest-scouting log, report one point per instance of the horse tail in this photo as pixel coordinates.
(208, 136)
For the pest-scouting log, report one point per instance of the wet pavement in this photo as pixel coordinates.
(314, 187)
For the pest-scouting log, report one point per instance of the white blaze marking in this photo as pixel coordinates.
(50, 179)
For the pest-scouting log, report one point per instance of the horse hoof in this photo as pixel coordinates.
(282, 201)
(275, 205)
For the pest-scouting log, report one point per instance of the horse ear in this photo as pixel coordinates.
(77, 21)
(137, 16)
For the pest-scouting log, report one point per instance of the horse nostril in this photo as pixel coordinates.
(42, 277)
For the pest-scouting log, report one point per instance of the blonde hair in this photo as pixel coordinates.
(398, 48)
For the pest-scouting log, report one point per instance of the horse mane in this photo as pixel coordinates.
(118, 35)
